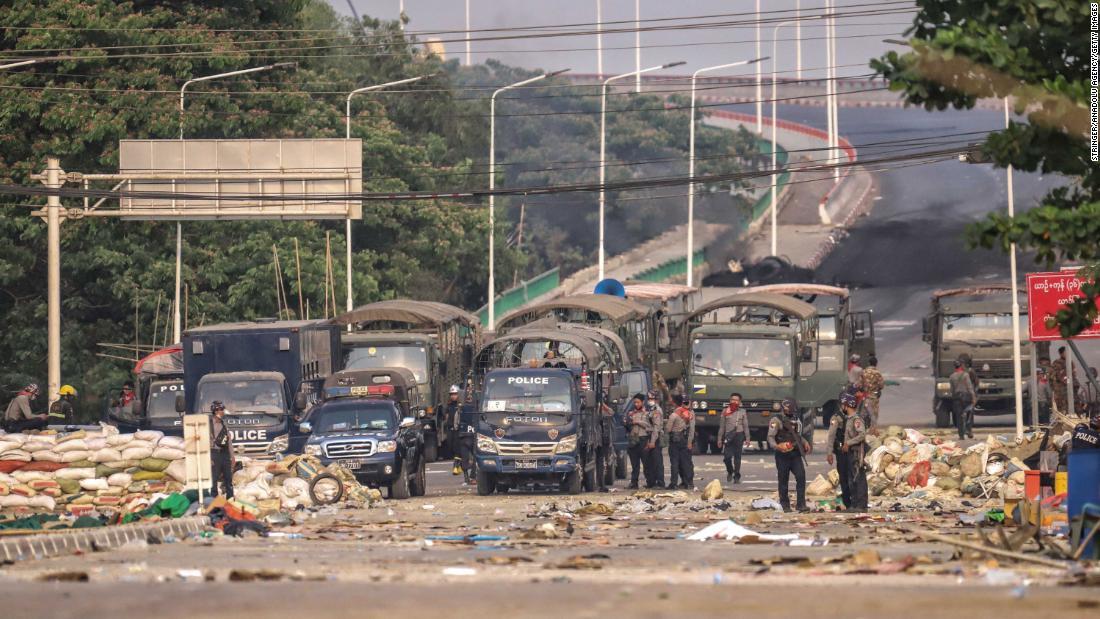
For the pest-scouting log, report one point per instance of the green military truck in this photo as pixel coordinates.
(435, 341)
(841, 332)
(977, 322)
(759, 344)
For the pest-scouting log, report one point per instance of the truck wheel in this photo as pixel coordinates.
(572, 484)
(808, 425)
(502, 488)
(431, 449)
(399, 489)
(419, 485)
(620, 465)
(485, 483)
(608, 471)
(325, 489)
(943, 414)
(588, 478)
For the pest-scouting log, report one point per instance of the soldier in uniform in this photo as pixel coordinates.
(1086, 436)
(18, 416)
(855, 434)
(1058, 382)
(62, 408)
(1089, 395)
(656, 456)
(963, 399)
(834, 441)
(871, 384)
(450, 425)
(680, 429)
(1045, 394)
(733, 436)
(605, 451)
(855, 371)
(464, 427)
(641, 438)
(785, 438)
(222, 458)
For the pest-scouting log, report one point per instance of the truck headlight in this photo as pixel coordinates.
(279, 445)
(312, 450)
(386, 447)
(566, 445)
(943, 388)
(486, 444)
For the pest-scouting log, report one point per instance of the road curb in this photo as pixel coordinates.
(39, 545)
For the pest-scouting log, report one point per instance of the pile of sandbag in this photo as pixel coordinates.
(84, 470)
(272, 486)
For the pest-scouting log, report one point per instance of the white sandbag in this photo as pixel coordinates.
(95, 444)
(33, 446)
(74, 445)
(248, 473)
(105, 455)
(7, 479)
(137, 453)
(175, 442)
(295, 487)
(12, 501)
(177, 470)
(120, 464)
(107, 430)
(6, 445)
(122, 480)
(169, 453)
(42, 501)
(16, 454)
(47, 455)
(92, 483)
(119, 439)
(75, 456)
(149, 435)
(18, 437)
(73, 473)
(28, 476)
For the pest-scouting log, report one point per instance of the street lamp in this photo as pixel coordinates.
(179, 226)
(691, 161)
(492, 185)
(347, 134)
(603, 142)
(759, 83)
(775, 122)
(599, 38)
(638, 46)
(830, 89)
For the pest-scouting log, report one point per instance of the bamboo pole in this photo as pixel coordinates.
(298, 264)
(156, 316)
(137, 327)
(328, 274)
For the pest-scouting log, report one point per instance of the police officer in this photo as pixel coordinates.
(680, 429)
(464, 428)
(450, 426)
(963, 399)
(871, 384)
(62, 409)
(1086, 436)
(222, 458)
(834, 441)
(655, 469)
(641, 438)
(855, 434)
(733, 437)
(18, 416)
(785, 438)
(855, 371)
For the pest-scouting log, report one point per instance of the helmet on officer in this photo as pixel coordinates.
(854, 358)
(848, 400)
(789, 406)
(216, 406)
(1094, 421)
(454, 389)
(31, 388)
(66, 390)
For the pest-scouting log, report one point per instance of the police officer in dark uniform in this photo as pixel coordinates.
(1086, 436)
(834, 442)
(605, 451)
(450, 426)
(785, 439)
(465, 428)
(222, 459)
(855, 437)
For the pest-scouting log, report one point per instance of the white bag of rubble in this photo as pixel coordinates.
(92, 483)
(820, 487)
(6, 445)
(42, 501)
(174, 442)
(257, 490)
(107, 454)
(14, 438)
(73, 445)
(169, 453)
(177, 470)
(149, 435)
(39, 445)
(117, 440)
(95, 443)
(75, 474)
(875, 459)
(75, 456)
(12, 501)
(16, 454)
(121, 480)
(29, 476)
(137, 453)
(46, 455)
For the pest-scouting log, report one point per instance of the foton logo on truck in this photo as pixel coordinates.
(528, 380)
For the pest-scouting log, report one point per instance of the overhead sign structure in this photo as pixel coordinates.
(1047, 293)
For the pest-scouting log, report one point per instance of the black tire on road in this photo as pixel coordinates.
(400, 489)
(431, 449)
(319, 499)
(620, 465)
(573, 483)
(609, 470)
(588, 477)
(943, 414)
(485, 483)
(502, 488)
(419, 485)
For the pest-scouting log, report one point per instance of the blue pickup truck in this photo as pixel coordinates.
(367, 423)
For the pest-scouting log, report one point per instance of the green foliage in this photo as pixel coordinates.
(1037, 53)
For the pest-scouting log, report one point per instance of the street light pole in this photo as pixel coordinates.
(638, 46)
(603, 144)
(347, 134)
(798, 39)
(831, 106)
(176, 327)
(759, 77)
(492, 287)
(599, 39)
(468, 61)
(1017, 363)
(53, 279)
(691, 163)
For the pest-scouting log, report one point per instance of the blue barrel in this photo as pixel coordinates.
(1084, 483)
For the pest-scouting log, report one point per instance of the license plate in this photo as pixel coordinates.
(353, 464)
(527, 464)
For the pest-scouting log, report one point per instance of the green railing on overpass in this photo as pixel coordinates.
(670, 269)
(522, 294)
(764, 201)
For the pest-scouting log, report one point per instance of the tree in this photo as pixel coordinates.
(1035, 51)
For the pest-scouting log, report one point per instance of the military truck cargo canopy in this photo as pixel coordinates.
(612, 308)
(163, 362)
(398, 377)
(256, 325)
(781, 303)
(801, 289)
(659, 292)
(582, 343)
(416, 313)
(610, 337)
(974, 291)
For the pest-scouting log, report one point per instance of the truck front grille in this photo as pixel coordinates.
(349, 449)
(997, 369)
(514, 448)
(253, 449)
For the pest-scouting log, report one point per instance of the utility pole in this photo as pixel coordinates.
(599, 39)
(759, 77)
(638, 46)
(468, 61)
(53, 280)
(1017, 362)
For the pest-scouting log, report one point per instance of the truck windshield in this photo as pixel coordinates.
(162, 400)
(980, 326)
(409, 356)
(531, 393)
(742, 357)
(355, 415)
(258, 397)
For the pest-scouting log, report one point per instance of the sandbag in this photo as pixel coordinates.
(82, 464)
(119, 440)
(96, 443)
(6, 445)
(137, 453)
(102, 470)
(5, 489)
(940, 469)
(79, 435)
(121, 465)
(177, 470)
(36, 445)
(46, 455)
(23, 490)
(169, 453)
(24, 476)
(107, 501)
(76, 455)
(45, 467)
(51, 492)
(820, 487)
(73, 445)
(146, 475)
(149, 435)
(172, 442)
(111, 491)
(971, 465)
(17, 455)
(121, 480)
(7, 466)
(42, 501)
(77, 474)
(13, 501)
(18, 437)
(154, 464)
(93, 484)
(106, 454)
(68, 486)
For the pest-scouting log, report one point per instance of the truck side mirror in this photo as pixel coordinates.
(926, 329)
(181, 404)
(300, 402)
(305, 427)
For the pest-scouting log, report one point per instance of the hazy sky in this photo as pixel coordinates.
(859, 38)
